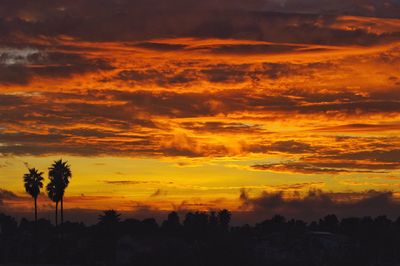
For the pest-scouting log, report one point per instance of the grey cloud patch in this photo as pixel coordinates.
(316, 204)
(18, 56)
(19, 67)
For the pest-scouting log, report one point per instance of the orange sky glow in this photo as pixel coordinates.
(200, 113)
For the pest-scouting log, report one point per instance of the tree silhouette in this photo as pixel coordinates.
(8, 225)
(213, 220)
(33, 182)
(109, 217)
(54, 194)
(196, 223)
(224, 218)
(329, 223)
(172, 224)
(60, 173)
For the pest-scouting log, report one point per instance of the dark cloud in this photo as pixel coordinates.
(352, 165)
(317, 204)
(329, 161)
(129, 182)
(226, 73)
(385, 156)
(9, 100)
(287, 146)
(248, 49)
(361, 128)
(291, 146)
(202, 104)
(165, 78)
(65, 65)
(161, 47)
(234, 49)
(355, 7)
(7, 195)
(282, 21)
(119, 115)
(295, 186)
(173, 74)
(304, 168)
(17, 138)
(133, 148)
(158, 193)
(197, 150)
(14, 75)
(19, 66)
(221, 127)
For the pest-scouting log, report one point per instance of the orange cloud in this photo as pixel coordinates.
(288, 90)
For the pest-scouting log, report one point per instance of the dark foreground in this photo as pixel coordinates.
(202, 239)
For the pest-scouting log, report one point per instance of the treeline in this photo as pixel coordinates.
(202, 238)
(199, 224)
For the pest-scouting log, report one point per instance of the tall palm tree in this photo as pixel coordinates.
(60, 173)
(109, 218)
(33, 182)
(54, 194)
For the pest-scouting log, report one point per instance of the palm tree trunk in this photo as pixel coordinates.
(56, 213)
(35, 234)
(62, 210)
(36, 210)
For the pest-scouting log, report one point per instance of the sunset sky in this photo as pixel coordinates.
(259, 106)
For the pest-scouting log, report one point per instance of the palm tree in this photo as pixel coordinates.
(54, 194)
(60, 173)
(224, 217)
(33, 182)
(109, 218)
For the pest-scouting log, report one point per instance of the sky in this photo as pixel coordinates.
(258, 106)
